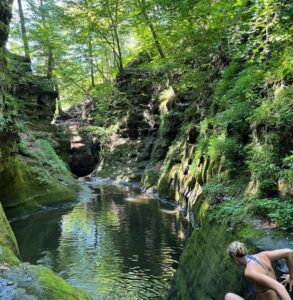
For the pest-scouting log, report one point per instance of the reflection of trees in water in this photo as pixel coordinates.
(118, 244)
(143, 231)
(36, 234)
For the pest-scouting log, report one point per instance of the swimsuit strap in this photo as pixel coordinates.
(250, 258)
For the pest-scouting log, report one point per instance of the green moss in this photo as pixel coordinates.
(24, 188)
(8, 246)
(120, 162)
(38, 282)
(205, 269)
(7, 237)
(7, 257)
(150, 178)
(49, 155)
(249, 233)
(54, 287)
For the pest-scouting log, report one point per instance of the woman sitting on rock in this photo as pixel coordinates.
(259, 272)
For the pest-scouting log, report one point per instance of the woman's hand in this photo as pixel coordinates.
(287, 280)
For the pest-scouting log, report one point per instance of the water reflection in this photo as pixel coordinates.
(116, 243)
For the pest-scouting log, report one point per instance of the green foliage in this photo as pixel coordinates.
(222, 146)
(277, 110)
(279, 211)
(216, 192)
(262, 164)
(231, 212)
(168, 131)
(287, 171)
(110, 104)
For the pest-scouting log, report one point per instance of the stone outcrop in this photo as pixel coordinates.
(205, 270)
(27, 102)
(83, 150)
(127, 150)
(31, 173)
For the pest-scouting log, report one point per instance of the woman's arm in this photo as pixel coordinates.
(268, 282)
(288, 255)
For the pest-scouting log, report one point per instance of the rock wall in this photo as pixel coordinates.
(31, 173)
(9, 253)
(205, 269)
(19, 180)
(126, 150)
(83, 150)
(224, 157)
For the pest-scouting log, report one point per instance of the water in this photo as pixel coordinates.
(116, 242)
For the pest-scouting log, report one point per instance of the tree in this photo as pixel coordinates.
(23, 31)
(148, 20)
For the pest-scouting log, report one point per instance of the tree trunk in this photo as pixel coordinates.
(115, 36)
(50, 57)
(91, 61)
(152, 28)
(56, 88)
(50, 64)
(23, 32)
(120, 60)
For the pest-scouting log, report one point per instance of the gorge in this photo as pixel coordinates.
(198, 115)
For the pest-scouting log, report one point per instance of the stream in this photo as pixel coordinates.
(114, 242)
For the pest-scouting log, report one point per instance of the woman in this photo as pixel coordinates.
(260, 273)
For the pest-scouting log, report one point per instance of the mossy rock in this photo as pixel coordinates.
(150, 178)
(120, 163)
(205, 270)
(22, 190)
(36, 282)
(8, 245)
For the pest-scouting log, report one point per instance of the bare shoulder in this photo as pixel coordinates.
(275, 254)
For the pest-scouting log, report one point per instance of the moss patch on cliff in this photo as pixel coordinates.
(34, 177)
(205, 270)
(8, 245)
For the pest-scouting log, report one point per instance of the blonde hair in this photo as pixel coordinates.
(237, 248)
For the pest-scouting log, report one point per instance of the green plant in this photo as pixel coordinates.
(279, 211)
(262, 164)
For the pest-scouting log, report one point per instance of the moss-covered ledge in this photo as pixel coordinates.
(34, 178)
(9, 252)
(205, 270)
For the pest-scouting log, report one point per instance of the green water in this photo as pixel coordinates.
(116, 242)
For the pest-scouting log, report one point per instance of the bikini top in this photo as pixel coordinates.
(248, 259)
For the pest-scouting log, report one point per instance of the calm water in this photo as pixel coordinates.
(116, 242)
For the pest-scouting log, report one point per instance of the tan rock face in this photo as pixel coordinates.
(285, 187)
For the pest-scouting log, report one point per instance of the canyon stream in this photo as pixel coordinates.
(114, 241)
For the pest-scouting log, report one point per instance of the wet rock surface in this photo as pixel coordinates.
(28, 282)
(14, 282)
